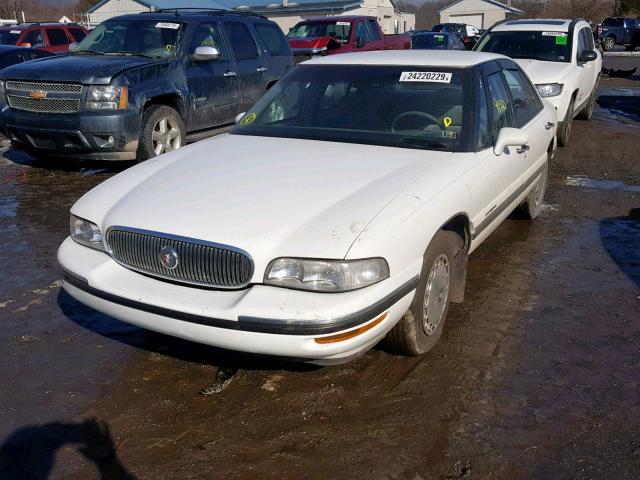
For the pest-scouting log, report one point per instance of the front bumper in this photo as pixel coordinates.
(91, 135)
(259, 319)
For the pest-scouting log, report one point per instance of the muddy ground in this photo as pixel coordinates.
(536, 376)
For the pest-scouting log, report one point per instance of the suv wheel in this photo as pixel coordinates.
(564, 130)
(162, 131)
(608, 44)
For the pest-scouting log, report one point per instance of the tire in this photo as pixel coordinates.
(608, 44)
(532, 205)
(564, 130)
(416, 333)
(162, 131)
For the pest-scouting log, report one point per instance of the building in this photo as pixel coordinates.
(481, 14)
(285, 13)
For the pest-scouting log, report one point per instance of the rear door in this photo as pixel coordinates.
(58, 41)
(588, 71)
(213, 85)
(274, 46)
(250, 64)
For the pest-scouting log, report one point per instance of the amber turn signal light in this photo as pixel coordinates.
(341, 337)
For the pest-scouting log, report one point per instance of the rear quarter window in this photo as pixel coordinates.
(78, 34)
(57, 36)
(273, 39)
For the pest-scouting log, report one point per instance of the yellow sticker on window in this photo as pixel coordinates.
(248, 119)
(447, 121)
(500, 105)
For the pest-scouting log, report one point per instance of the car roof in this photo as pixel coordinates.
(418, 58)
(542, 25)
(186, 15)
(24, 26)
(442, 34)
(352, 18)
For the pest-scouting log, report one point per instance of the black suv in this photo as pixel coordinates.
(619, 31)
(136, 85)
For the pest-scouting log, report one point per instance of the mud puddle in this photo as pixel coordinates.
(599, 184)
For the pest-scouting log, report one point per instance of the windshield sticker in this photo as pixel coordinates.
(500, 105)
(248, 119)
(343, 23)
(562, 40)
(432, 77)
(553, 34)
(447, 121)
(172, 26)
(14, 32)
(449, 134)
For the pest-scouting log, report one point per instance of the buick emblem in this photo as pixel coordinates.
(168, 257)
(38, 94)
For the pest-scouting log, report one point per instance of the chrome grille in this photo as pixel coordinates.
(199, 262)
(45, 105)
(45, 87)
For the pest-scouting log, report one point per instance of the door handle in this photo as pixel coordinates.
(523, 148)
(261, 69)
(549, 125)
(229, 74)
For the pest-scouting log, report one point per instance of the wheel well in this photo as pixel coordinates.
(460, 226)
(171, 100)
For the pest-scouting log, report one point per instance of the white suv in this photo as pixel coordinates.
(560, 58)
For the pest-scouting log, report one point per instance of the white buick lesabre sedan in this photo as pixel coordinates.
(340, 209)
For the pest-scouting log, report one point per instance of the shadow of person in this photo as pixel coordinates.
(29, 452)
(620, 237)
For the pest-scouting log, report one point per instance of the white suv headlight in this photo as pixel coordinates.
(549, 89)
(86, 233)
(107, 97)
(325, 275)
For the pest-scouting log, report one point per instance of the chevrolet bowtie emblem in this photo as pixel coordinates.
(38, 94)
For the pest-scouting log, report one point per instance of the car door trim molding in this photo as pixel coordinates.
(255, 324)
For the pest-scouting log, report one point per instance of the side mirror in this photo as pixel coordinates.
(588, 56)
(509, 137)
(239, 117)
(359, 43)
(206, 54)
(73, 46)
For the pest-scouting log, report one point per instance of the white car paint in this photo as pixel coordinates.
(276, 197)
(576, 77)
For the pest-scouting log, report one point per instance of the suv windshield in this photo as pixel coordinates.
(407, 107)
(341, 31)
(9, 37)
(545, 46)
(152, 38)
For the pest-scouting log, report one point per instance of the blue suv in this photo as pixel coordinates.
(137, 84)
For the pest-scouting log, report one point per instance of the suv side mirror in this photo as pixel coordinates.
(509, 137)
(73, 46)
(206, 54)
(587, 56)
(359, 43)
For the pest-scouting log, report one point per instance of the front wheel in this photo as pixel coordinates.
(608, 44)
(420, 328)
(162, 131)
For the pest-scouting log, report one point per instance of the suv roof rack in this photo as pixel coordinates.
(207, 11)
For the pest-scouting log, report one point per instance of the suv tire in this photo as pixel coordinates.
(162, 131)
(416, 333)
(608, 44)
(564, 130)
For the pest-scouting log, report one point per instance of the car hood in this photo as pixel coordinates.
(86, 69)
(271, 197)
(544, 72)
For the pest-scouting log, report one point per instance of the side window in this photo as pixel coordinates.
(273, 39)
(34, 37)
(375, 31)
(501, 116)
(582, 43)
(588, 39)
(484, 129)
(78, 34)
(361, 32)
(208, 35)
(57, 36)
(242, 43)
(526, 103)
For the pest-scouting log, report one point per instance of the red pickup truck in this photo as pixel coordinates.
(331, 35)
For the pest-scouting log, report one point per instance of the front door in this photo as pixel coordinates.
(213, 85)
(251, 67)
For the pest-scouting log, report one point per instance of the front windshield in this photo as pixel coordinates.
(545, 46)
(9, 37)
(407, 107)
(428, 42)
(150, 38)
(341, 31)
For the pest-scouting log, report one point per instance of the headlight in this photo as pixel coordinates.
(86, 233)
(549, 89)
(325, 275)
(107, 98)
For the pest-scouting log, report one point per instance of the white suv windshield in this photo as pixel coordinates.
(545, 46)
(149, 38)
(407, 107)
